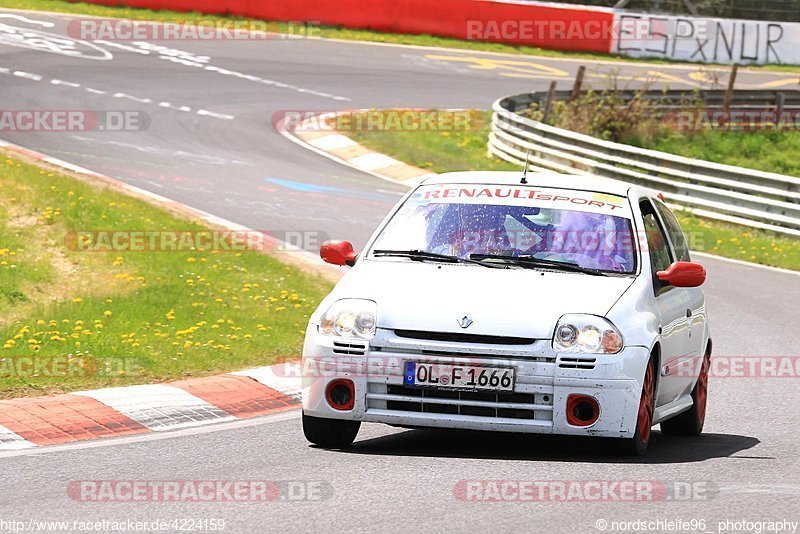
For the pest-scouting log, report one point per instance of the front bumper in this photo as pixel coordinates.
(544, 380)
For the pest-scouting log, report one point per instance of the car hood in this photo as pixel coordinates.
(501, 302)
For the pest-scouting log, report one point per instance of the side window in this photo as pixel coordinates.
(658, 247)
(675, 232)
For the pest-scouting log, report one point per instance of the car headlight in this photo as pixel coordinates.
(350, 318)
(586, 334)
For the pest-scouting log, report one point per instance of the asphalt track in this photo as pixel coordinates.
(212, 146)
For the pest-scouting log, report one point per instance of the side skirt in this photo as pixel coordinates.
(672, 409)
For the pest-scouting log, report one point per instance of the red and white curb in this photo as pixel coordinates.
(114, 412)
(315, 134)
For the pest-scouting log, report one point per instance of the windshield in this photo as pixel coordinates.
(556, 225)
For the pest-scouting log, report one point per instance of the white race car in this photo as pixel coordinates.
(550, 304)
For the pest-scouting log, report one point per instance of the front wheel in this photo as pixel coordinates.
(637, 445)
(330, 433)
(691, 422)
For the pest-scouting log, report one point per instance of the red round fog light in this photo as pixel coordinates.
(582, 410)
(341, 394)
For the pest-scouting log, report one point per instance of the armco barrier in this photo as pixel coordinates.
(570, 27)
(734, 194)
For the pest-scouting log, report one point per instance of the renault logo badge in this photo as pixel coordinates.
(466, 321)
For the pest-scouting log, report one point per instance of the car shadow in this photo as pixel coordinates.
(501, 446)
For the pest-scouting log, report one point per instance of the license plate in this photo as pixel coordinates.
(460, 377)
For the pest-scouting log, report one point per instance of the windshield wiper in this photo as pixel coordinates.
(533, 262)
(422, 255)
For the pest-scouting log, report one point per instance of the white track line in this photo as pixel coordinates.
(69, 166)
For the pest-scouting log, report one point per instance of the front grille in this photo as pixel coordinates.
(577, 363)
(528, 406)
(459, 352)
(464, 338)
(355, 349)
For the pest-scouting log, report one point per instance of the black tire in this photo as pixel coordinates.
(637, 445)
(691, 422)
(330, 433)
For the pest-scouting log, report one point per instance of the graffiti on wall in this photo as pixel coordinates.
(706, 40)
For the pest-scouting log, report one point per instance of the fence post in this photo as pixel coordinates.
(576, 89)
(729, 93)
(548, 106)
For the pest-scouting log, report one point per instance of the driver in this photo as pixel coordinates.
(587, 238)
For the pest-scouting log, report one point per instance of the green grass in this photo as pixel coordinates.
(445, 151)
(336, 32)
(766, 151)
(166, 315)
(438, 151)
(732, 241)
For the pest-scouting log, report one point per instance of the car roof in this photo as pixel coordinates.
(597, 184)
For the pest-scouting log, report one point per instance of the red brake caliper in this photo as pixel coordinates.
(647, 405)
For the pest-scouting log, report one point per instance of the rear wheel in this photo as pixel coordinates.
(330, 433)
(690, 422)
(637, 445)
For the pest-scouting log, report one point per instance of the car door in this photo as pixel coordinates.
(696, 307)
(671, 307)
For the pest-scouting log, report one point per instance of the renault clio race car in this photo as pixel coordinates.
(551, 304)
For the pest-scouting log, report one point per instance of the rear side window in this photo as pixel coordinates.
(675, 232)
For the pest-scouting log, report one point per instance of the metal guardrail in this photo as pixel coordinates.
(673, 100)
(738, 195)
